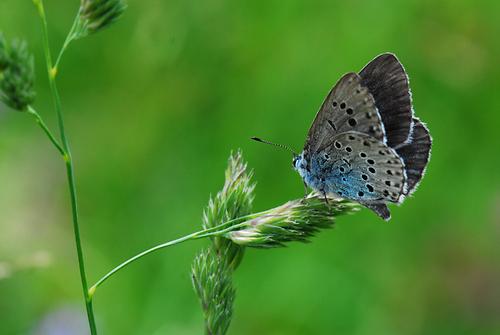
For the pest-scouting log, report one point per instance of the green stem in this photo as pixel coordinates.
(41, 123)
(140, 255)
(214, 231)
(72, 35)
(69, 167)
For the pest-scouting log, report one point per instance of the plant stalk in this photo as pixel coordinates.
(69, 166)
(214, 231)
(72, 35)
(46, 130)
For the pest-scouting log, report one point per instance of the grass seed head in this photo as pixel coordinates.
(17, 75)
(96, 15)
(212, 281)
(296, 220)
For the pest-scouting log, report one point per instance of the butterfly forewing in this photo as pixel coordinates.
(348, 107)
(387, 81)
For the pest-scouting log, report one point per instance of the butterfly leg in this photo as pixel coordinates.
(326, 198)
(305, 189)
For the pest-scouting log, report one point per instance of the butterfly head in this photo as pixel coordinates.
(300, 165)
(298, 162)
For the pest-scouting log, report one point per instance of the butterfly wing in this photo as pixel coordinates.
(364, 143)
(361, 168)
(380, 209)
(387, 81)
(416, 154)
(375, 171)
(349, 106)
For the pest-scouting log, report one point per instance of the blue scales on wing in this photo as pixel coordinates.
(359, 167)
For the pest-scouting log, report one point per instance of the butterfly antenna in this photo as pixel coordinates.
(282, 146)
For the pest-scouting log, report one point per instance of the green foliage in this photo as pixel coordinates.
(153, 107)
(17, 76)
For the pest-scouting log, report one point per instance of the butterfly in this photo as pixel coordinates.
(365, 143)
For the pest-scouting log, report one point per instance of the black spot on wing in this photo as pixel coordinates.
(332, 124)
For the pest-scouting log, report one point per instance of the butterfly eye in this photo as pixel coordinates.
(294, 162)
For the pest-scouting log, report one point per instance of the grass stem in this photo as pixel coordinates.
(46, 130)
(69, 38)
(214, 231)
(69, 166)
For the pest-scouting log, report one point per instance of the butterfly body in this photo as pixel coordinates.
(330, 177)
(346, 168)
(365, 143)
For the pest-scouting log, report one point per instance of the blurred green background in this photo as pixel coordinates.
(154, 106)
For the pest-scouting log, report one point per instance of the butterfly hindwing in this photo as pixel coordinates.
(386, 79)
(380, 209)
(362, 168)
(415, 154)
(348, 107)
